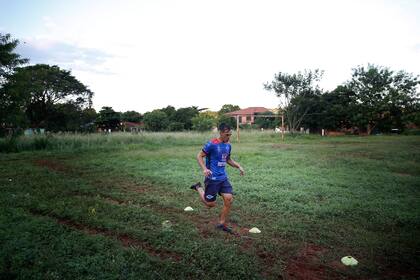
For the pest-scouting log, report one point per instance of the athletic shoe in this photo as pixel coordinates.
(224, 228)
(195, 186)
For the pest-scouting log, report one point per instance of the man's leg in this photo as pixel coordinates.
(227, 203)
(209, 204)
(201, 192)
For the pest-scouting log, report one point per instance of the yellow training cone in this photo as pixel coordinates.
(349, 260)
(254, 230)
(188, 209)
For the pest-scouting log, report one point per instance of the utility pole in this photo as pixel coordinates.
(282, 126)
(237, 127)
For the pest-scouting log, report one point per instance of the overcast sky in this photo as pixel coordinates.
(145, 55)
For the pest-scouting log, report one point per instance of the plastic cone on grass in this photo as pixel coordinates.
(254, 230)
(349, 261)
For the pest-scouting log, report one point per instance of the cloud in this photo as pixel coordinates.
(66, 55)
(416, 47)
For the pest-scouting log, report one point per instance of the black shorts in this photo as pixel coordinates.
(213, 187)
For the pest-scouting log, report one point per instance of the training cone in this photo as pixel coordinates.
(349, 261)
(188, 209)
(166, 225)
(254, 230)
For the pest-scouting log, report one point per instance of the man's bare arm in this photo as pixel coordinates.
(200, 161)
(233, 163)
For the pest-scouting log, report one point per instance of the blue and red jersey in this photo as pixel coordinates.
(217, 154)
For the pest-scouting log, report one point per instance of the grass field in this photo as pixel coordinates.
(94, 207)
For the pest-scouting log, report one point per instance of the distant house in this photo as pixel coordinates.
(247, 115)
(132, 126)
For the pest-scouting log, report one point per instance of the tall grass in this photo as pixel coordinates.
(151, 140)
(69, 142)
(345, 195)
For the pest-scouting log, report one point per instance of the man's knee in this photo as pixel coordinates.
(228, 199)
(210, 204)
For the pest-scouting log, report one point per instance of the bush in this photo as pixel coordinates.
(156, 120)
(203, 122)
(415, 131)
(176, 126)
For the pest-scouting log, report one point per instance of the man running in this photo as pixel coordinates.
(217, 154)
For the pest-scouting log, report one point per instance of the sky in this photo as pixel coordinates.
(145, 55)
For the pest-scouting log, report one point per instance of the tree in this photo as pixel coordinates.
(175, 126)
(156, 120)
(223, 118)
(266, 121)
(383, 97)
(11, 105)
(88, 118)
(338, 109)
(203, 122)
(131, 116)
(227, 108)
(108, 119)
(170, 112)
(295, 87)
(45, 86)
(9, 60)
(185, 115)
(65, 117)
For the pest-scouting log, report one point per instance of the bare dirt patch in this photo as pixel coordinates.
(282, 146)
(307, 264)
(53, 165)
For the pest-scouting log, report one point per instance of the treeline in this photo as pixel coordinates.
(165, 119)
(43, 96)
(375, 99)
(39, 96)
(47, 97)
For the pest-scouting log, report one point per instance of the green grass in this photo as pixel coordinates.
(92, 207)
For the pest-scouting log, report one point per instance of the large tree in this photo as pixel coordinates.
(203, 122)
(331, 110)
(156, 120)
(267, 120)
(45, 86)
(131, 116)
(338, 108)
(383, 97)
(108, 119)
(11, 105)
(9, 60)
(223, 118)
(185, 115)
(293, 89)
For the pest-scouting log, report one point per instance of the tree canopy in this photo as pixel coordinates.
(11, 105)
(9, 60)
(382, 96)
(293, 91)
(42, 87)
(223, 118)
(108, 118)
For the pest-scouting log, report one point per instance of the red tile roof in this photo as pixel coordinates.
(248, 111)
(132, 124)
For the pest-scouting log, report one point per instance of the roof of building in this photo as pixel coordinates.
(248, 111)
(132, 124)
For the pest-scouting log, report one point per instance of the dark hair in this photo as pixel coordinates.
(224, 127)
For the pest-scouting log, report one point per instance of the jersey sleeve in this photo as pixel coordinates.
(207, 148)
(230, 149)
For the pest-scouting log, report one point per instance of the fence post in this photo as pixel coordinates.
(282, 127)
(237, 127)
